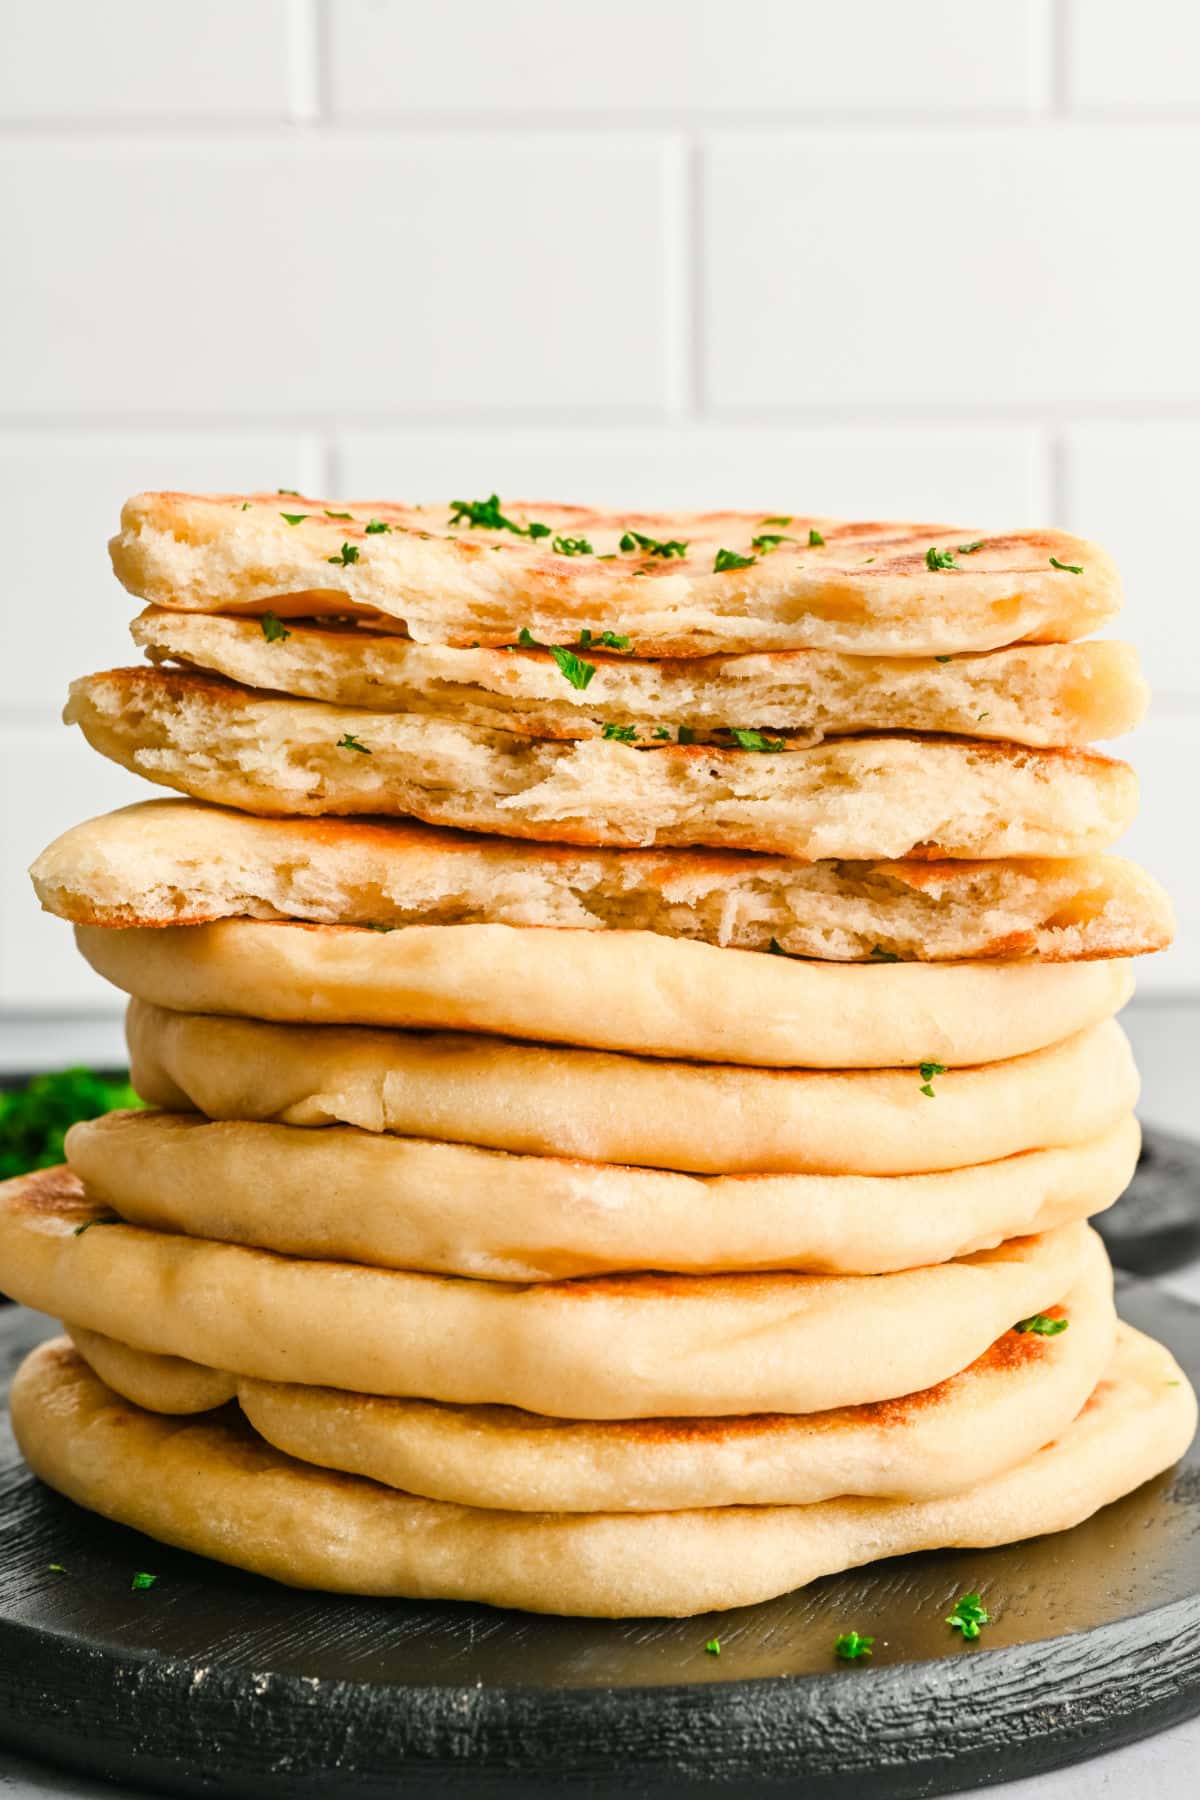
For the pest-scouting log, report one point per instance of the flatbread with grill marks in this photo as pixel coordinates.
(848, 797)
(871, 588)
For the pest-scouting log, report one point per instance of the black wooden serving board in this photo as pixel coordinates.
(216, 1682)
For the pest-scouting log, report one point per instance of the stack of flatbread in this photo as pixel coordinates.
(626, 1010)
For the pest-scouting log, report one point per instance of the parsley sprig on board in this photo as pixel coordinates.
(35, 1119)
(969, 1616)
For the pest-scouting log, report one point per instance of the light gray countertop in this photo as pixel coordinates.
(1166, 1036)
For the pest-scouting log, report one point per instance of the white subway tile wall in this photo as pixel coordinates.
(922, 260)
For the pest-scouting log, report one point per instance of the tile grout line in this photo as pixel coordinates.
(698, 285)
(580, 421)
(677, 299)
(1056, 476)
(315, 101)
(1060, 59)
(303, 64)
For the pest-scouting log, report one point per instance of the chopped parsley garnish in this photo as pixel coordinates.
(621, 734)
(939, 559)
(755, 740)
(106, 1219)
(273, 628)
(1042, 1326)
(928, 1071)
(571, 546)
(729, 559)
(970, 549)
(487, 514)
(775, 948)
(347, 554)
(943, 659)
(879, 954)
(686, 735)
(779, 519)
(606, 640)
(980, 717)
(815, 540)
(969, 1616)
(769, 540)
(35, 1119)
(577, 672)
(668, 547)
(57, 1568)
(294, 492)
(713, 1647)
(662, 733)
(245, 506)
(374, 526)
(294, 518)
(1070, 568)
(334, 515)
(141, 1581)
(348, 741)
(852, 1646)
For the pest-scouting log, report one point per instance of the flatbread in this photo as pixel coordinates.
(1022, 1392)
(166, 1384)
(179, 862)
(826, 585)
(713, 1118)
(614, 990)
(212, 1486)
(882, 796)
(1042, 694)
(406, 1203)
(618, 1347)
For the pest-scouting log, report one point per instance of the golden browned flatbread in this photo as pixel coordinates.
(179, 862)
(1022, 1392)
(347, 1195)
(883, 589)
(555, 1100)
(616, 1347)
(213, 1486)
(1042, 694)
(847, 797)
(629, 990)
